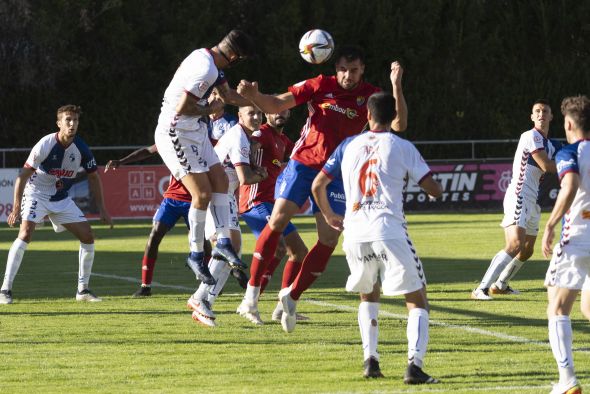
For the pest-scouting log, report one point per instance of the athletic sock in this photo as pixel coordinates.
(85, 260)
(196, 233)
(290, 272)
(500, 260)
(312, 267)
(264, 251)
(417, 332)
(252, 294)
(220, 271)
(560, 338)
(368, 324)
(147, 270)
(15, 257)
(268, 272)
(508, 273)
(220, 213)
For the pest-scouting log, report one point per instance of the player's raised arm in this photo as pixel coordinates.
(135, 156)
(400, 123)
(269, 104)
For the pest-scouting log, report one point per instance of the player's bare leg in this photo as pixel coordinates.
(501, 286)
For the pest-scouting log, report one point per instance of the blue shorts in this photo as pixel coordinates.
(170, 211)
(294, 184)
(257, 217)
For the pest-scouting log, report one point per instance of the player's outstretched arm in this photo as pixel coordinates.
(19, 189)
(135, 156)
(231, 96)
(400, 123)
(189, 105)
(569, 187)
(432, 187)
(320, 194)
(95, 186)
(269, 104)
(544, 162)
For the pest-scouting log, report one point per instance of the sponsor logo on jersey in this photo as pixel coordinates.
(91, 163)
(338, 196)
(329, 95)
(348, 112)
(276, 162)
(360, 100)
(61, 173)
(373, 256)
(368, 205)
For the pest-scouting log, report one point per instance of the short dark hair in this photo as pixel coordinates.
(240, 43)
(542, 101)
(349, 53)
(578, 109)
(381, 105)
(69, 108)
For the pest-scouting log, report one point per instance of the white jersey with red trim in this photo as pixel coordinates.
(233, 149)
(197, 76)
(374, 167)
(526, 174)
(56, 167)
(576, 222)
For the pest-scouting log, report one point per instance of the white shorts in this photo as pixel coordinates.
(570, 267)
(234, 223)
(184, 151)
(525, 214)
(394, 261)
(60, 212)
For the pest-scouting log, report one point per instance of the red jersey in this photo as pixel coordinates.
(177, 191)
(334, 114)
(274, 150)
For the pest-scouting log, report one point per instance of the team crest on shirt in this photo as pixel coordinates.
(538, 138)
(360, 100)
(244, 151)
(72, 157)
(203, 86)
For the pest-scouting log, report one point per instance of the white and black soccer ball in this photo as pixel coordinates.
(316, 46)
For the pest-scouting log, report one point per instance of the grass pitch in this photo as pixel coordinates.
(50, 343)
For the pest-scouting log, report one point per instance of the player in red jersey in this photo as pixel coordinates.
(337, 109)
(256, 204)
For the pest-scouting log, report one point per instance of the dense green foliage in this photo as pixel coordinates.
(51, 344)
(472, 67)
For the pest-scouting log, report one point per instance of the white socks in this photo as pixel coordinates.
(252, 294)
(560, 338)
(220, 213)
(500, 260)
(196, 234)
(15, 257)
(85, 260)
(417, 332)
(509, 273)
(368, 325)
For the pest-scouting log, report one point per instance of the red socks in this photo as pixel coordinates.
(147, 270)
(264, 252)
(274, 263)
(290, 272)
(312, 266)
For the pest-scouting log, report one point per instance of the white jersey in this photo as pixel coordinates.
(576, 222)
(197, 76)
(56, 167)
(526, 174)
(374, 167)
(218, 127)
(233, 149)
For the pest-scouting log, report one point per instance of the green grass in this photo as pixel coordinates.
(50, 343)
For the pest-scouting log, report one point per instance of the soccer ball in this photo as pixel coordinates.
(316, 46)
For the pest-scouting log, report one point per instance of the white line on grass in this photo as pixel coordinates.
(474, 330)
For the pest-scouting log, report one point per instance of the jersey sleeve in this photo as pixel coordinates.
(239, 152)
(304, 90)
(417, 167)
(533, 142)
(333, 165)
(201, 81)
(567, 161)
(37, 155)
(88, 162)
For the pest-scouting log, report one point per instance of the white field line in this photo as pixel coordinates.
(433, 389)
(474, 330)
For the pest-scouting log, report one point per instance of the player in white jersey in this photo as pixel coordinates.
(233, 149)
(41, 189)
(569, 270)
(534, 156)
(182, 140)
(374, 167)
(219, 122)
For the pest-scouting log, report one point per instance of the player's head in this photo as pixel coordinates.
(576, 115)
(350, 66)
(250, 117)
(381, 110)
(279, 120)
(212, 97)
(541, 115)
(68, 117)
(236, 46)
